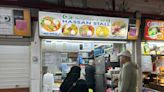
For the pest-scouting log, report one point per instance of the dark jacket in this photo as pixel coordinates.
(90, 76)
(128, 78)
(71, 78)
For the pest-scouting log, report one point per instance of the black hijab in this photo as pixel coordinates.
(71, 78)
(81, 86)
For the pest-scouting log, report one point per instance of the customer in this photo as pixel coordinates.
(90, 75)
(128, 73)
(71, 78)
(81, 86)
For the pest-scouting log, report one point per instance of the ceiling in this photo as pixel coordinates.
(148, 8)
(144, 6)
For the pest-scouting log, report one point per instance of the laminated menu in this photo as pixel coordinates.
(147, 64)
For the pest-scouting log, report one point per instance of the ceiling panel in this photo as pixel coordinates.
(144, 6)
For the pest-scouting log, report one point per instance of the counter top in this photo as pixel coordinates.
(156, 86)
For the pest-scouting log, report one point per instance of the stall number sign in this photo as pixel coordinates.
(15, 22)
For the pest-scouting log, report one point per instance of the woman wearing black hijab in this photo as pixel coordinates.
(81, 86)
(71, 78)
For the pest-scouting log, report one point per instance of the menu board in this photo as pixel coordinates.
(88, 46)
(74, 25)
(15, 22)
(147, 65)
(60, 46)
(154, 30)
(152, 48)
(134, 30)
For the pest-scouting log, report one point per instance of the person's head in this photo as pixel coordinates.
(45, 69)
(75, 70)
(125, 56)
(91, 62)
(107, 57)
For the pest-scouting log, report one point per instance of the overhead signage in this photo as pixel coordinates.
(84, 26)
(154, 30)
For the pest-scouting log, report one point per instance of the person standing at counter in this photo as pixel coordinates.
(128, 73)
(81, 86)
(90, 75)
(71, 79)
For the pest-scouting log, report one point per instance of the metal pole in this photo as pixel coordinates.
(35, 69)
(113, 5)
(138, 61)
(84, 3)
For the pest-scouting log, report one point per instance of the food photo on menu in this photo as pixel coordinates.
(50, 24)
(86, 31)
(102, 31)
(69, 30)
(119, 28)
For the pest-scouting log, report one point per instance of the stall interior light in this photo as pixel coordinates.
(49, 41)
(158, 43)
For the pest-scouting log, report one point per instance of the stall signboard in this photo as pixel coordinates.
(154, 30)
(134, 30)
(84, 26)
(15, 22)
